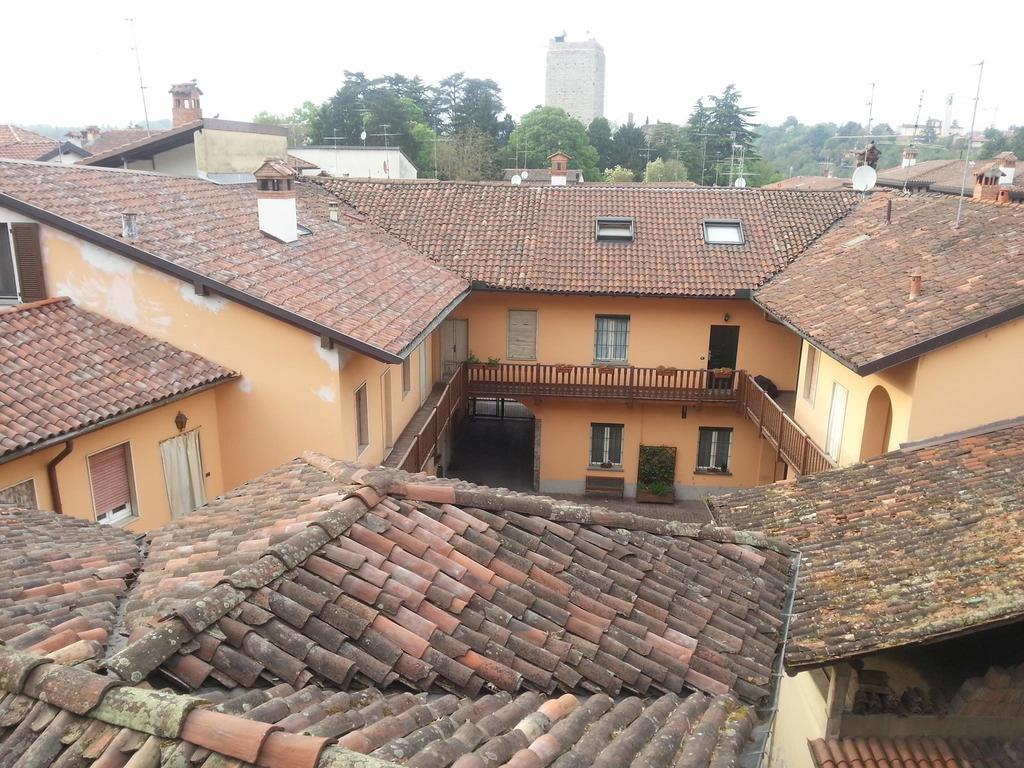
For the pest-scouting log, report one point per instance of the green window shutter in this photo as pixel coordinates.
(29, 256)
(596, 443)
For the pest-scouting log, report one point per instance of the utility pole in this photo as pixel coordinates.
(970, 138)
(138, 67)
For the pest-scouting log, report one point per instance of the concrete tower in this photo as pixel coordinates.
(575, 78)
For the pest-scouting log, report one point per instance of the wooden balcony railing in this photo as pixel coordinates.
(681, 385)
(792, 444)
(442, 418)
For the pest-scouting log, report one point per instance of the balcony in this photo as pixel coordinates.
(674, 385)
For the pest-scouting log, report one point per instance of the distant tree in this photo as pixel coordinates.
(426, 157)
(618, 173)
(996, 141)
(269, 118)
(468, 156)
(758, 173)
(299, 122)
(600, 134)
(546, 130)
(730, 125)
(460, 103)
(695, 154)
(628, 141)
(668, 141)
(665, 170)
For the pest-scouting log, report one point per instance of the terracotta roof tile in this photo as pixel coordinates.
(930, 534)
(348, 276)
(66, 369)
(916, 752)
(19, 144)
(542, 238)
(850, 291)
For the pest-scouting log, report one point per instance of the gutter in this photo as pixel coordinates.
(404, 354)
(51, 476)
(196, 279)
(760, 742)
(67, 437)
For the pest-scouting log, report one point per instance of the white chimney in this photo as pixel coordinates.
(909, 156)
(275, 200)
(1008, 165)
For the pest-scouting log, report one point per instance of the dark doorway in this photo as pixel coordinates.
(495, 446)
(722, 346)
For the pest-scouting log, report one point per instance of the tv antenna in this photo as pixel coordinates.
(385, 134)
(138, 67)
(871, 108)
(970, 138)
(917, 120)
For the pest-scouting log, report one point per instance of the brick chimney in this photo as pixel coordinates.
(909, 156)
(1007, 162)
(986, 182)
(185, 103)
(275, 200)
(559, 168)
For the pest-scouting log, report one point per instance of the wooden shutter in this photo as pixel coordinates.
(704, 448)
(615, 444)
(522, 334)
(29, 256)
(596, 443)
(108, 472)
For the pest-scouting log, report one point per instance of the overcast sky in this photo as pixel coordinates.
(814, 60)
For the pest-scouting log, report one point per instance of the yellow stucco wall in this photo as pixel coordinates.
(293, 395)
(219, 151)
(669, 332)
(143, 433)
(802, 716)
(974, 381)
(898, 382)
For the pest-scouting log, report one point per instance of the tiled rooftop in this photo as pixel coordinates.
(349, 276)
(321, 571)
(934, 175)
(52, 715)
(905, 548)
(849, 292)
(542, 238)
(65, 369)
(920, 752)
(18, 144)
(61, 580)
(811, 184)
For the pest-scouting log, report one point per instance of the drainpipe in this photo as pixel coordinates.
(51, 475)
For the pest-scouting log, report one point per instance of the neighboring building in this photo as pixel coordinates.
(102, 422)
(358, 162)
(575, 78)
(811, 184)
(901, 316)
(323, 314)
(945, 176)
(19, 144)
(906, 628)
(302, 167)
(333, 615)
(96, 142)
(617, 316)
(220, 150)
(559, 174)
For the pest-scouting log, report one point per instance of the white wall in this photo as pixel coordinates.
(358, 162)
(180, 161)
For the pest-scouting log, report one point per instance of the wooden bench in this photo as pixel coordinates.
(610, 487)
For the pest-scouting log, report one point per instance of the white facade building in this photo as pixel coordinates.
(575, 78)
(358, 162)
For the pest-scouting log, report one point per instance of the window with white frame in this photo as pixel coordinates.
(614, 229)
(362, 419)
(811, 373)
(110, 477)
(713, 449)
(611, 344)
(723, 233)
(606, 445)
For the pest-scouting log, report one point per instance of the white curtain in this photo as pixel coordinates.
(183, 473)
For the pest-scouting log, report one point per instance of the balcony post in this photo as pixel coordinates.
(803, 455)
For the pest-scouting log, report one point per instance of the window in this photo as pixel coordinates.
(21, 494)
(611, 339)
(362, 419)
(606, 445)
(723, 233)
(811, 373)
(713, 446)
(110, 477)
(522, 334)
(8, 271)
(836, 420)
(406, 377)
(614, 229)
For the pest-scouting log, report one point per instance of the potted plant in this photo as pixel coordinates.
(472, 359)
(563, 368)
(720, 374)
(662, 370)
(656, 474)
(494, 361)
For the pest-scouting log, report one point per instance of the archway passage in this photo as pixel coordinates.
(495, 445)
(877, 424)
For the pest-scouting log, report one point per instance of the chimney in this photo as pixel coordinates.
(185, 106)
(915, 288)
(275, 200)
(1008, 165)
(129, 225)
(986, 183)
(332, 210)
(559, 168)
(909, 156)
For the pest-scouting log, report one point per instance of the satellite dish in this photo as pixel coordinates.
(517, 180)
(740, 182)
(525, 174)
(362, 136)
(864, 178)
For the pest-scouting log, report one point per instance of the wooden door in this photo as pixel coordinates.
(454, 344)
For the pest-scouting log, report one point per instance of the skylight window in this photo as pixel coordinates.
(723, 233)
(614, 229)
